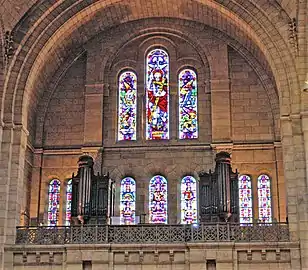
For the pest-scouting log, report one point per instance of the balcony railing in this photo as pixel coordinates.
(152, 234)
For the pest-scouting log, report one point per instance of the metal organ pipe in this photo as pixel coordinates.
(84, 193)
(223, 168)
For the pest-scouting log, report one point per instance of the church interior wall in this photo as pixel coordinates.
(59, 101)
(244, 117)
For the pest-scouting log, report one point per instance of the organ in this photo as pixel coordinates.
(92, 195)
(218, 192)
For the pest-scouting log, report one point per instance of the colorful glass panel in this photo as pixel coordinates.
(189, 200)
(264, 199)
(128, 201)
(158, 200)
(157, 83)
(127, 106)
(53, 202)
(188, 95)
(69, 188)
(245, 199)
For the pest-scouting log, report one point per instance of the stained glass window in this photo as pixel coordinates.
(188, 92)
(127, 106)
(264, 199)
(189, 200)
(157, 105)
(69, 188)
(245, 199)
(53, 202)
(128, 201)
(158, 200)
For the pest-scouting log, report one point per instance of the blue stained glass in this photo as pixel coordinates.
(245, 199)
(188, 95)
(69, 188)
(53, 202)
(128, 201)
(189, 200)
(157, 83)
(158, 200)
(264, 199)
(127, 106)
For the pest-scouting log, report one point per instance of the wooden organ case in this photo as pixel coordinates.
(218, 192)
(92, 195)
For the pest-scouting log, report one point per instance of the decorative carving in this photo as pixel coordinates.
(171, 256)
(24, 257)
(156, 255)
(278, 254)
(293, 39)
(8, 45)
(38, 257)
(263, 254)
(249, 255)
(141, 256)
(51, 257)
(126, 256)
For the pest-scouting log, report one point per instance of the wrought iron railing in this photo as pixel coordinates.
(152, 234)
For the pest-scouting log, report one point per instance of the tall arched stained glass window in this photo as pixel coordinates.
(68, 208)
(157, 105)
(127, 106)
(245, 199)
(53, 202)
(264, 199)
(158, 200)
(128, 201)
(188, 97)
(189, 200)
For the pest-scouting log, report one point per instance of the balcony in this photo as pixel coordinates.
(152, 234)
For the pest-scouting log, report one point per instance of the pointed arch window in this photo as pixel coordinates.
(264, 199)
(189, 200)
(128, 201)
(157, 101)
(68, 207)
(53, 202)
(188, 103)
(127, 111)
(245, 199)
(158, 204)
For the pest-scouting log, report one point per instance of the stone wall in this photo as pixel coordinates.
(167, 257)
(235, 114)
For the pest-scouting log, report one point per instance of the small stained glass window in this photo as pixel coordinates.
(188, 97)
(189, 200)
(53, 202)
(127, 112)
(128, 201)
(69, 188)
(245, 199)
(264, 199)
(158, 205)
(157, 91)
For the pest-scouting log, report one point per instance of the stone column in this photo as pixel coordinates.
(296, 180)
(12, 161)
(303, 198)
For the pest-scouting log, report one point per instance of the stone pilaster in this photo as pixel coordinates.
(220, 95)
(12, 161)
(93, 120)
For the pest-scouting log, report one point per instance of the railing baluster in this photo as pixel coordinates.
(148, 233)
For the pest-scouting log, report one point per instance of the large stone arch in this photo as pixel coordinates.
(266, 79)
(47, 34)
(69, 24)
